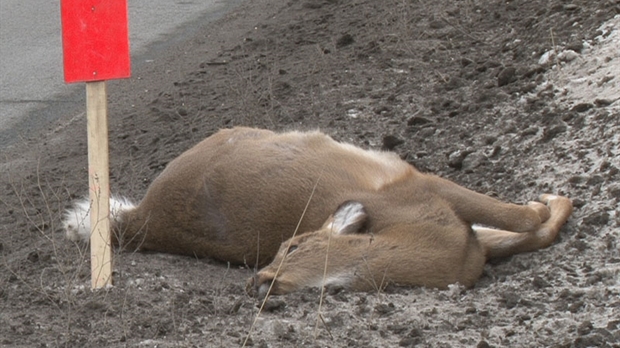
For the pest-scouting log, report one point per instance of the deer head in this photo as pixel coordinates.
(324, 257)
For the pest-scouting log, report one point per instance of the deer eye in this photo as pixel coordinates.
(291, 249)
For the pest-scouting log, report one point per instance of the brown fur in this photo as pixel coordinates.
(239, 195)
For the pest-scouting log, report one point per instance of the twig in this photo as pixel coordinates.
(319, 315)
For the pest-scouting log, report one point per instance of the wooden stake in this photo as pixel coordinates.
(98, 180)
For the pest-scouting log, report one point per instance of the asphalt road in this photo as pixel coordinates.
(32, 88)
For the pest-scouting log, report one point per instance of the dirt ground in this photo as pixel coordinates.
(469, 90)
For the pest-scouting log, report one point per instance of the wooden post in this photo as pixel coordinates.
(98, 180)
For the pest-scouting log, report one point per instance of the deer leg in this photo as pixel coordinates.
(476, 208)
(499, 243)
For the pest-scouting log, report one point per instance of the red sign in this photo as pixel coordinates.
(95, 40)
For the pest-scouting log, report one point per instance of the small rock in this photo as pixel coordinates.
(577, 179)
(570, 7)
(597, 219)
(417, 120)
(455, 160)
(234, 308)
(489, 139)
(604, 333)
(427, 132)
(437, 24)
(582, 107)
(575, 306)
(589, 341)
(604, 165)
(530, 87)
(454, 83)
(529, 131)
(576, 46)
(595, 180)
(398, 328)
(602, 102)
(362, 310)
(604, 80)
(540, 283)
(337, 320)
(612, 190)
(391, 141)
(415, 332)
(383, 109)
(385, 309)
(613, 324)
(510, 299)
(506, 76)
(466, 61)
(272, 305)
(594, 279)
(497, 150)
(547, 57)
(409, 342)
(483, 344)
(344, 40)
(534, 70)
(333, 289)
(279, 329)
(568, 55)
(33, 256)
(492, 63)
(473, 161)
(551, 132)
(182, 112)
(580, 245)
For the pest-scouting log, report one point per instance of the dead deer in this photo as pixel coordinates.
(240, 194)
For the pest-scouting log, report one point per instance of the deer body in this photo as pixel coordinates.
(239, 195)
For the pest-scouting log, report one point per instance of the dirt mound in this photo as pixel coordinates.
(455, 88)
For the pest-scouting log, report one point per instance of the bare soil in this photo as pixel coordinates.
(454, 87)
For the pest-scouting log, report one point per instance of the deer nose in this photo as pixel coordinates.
(259, 285)
(263, 291)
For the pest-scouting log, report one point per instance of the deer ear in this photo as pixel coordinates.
(350, 217)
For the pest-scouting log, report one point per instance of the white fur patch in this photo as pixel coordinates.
(507, 243)
(476, 227)
(76, 221)
(343, 279)
(348, 218)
